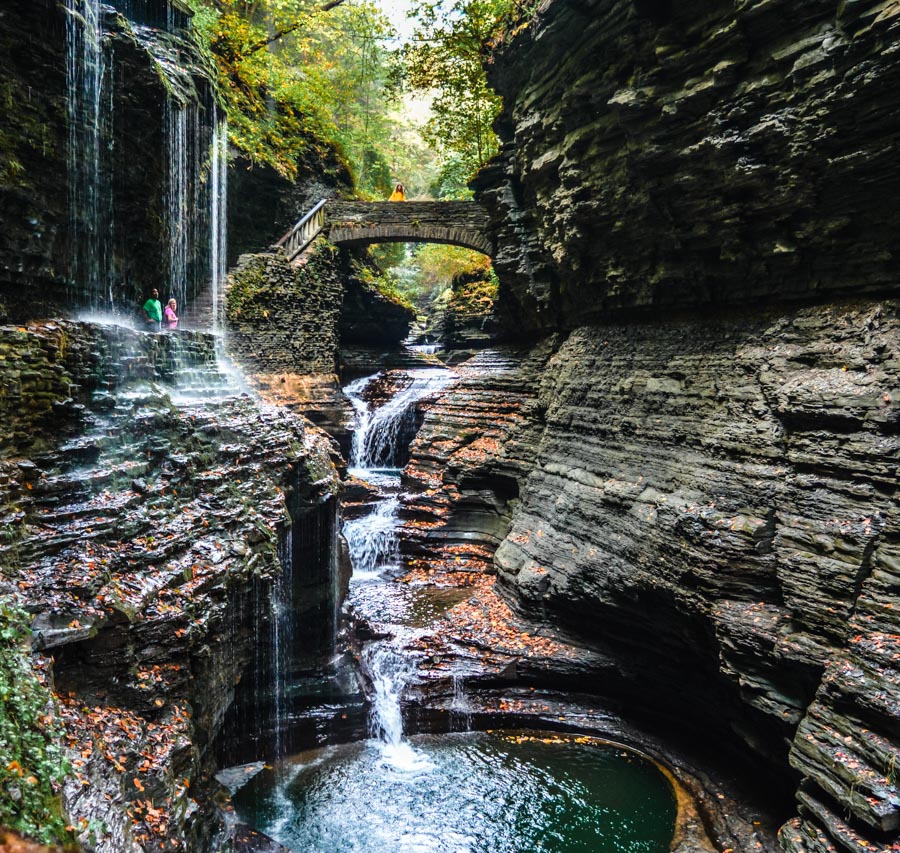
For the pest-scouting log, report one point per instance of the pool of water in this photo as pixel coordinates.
(475, 792)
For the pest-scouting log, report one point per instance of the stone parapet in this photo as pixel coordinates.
(458, 223)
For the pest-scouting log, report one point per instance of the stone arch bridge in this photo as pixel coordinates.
(357, 223)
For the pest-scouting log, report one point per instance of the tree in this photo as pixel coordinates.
(297, 74)
(447, 57)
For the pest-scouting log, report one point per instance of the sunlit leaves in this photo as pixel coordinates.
(447, 58)
(320, 85)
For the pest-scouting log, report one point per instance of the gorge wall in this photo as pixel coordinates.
(111, 159)
(658, 154)
(155, 525)
(696, 473)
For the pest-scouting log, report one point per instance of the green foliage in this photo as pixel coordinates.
(430, 268)
(32, 765)
(451, 180)
(474, 294)
(385, 282)
(297, 76)
(447, 58)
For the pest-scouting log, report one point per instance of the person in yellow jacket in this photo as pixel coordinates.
(399, 194)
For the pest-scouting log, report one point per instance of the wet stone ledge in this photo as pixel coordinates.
(141, 526)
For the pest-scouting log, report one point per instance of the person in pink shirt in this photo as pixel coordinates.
(170, 318)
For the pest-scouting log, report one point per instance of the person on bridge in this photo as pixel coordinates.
(152, 309)
(399, 193)
(170, 315)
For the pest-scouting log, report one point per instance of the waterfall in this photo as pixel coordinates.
(193, 188)
(381, 435)
(389, 670)
(380, 442)
(218, 262)
(460, 708)
(281, 627)
(372, 540)
(176, 201)
(89, 183)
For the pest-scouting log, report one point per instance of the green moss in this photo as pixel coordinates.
(25, 137)
(384, 283)
(32, 767)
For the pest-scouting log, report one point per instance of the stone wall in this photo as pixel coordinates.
(283, 317)
(712, 504)
(662, 154)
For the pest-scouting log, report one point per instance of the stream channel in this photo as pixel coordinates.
(499, 790)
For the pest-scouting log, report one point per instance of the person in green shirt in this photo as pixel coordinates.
(153, 311)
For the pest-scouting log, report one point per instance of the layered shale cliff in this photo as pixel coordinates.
(165, 533)
(660, 154)
(696, 474)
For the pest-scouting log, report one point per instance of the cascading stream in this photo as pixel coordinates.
(382, 435)
(379, 444)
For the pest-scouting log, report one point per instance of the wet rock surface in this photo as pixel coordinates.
(710, 506)
(148, 70)
(146, 500)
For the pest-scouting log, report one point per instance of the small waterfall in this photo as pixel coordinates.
(372, 540)
(379, 444)
(89, 183)
(281, 627)
(389, 670)
(193, 189)
(460, 708)
(381, 435)
(218, 219)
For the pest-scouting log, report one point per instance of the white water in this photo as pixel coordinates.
(281, 627)
(389, 670)
(425, 349)
(376, 440)
(88, 183)
(176, 201)
(218, 201)
(372, 540)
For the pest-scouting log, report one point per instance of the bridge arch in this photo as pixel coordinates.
(456, 223)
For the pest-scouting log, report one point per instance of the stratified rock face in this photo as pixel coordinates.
(713, 504)
(283, 317)
(32, 149)
(157, 525)
(84, 231)
(662, 153)
(371, 318)
(469, 322)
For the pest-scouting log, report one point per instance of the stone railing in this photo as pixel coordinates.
(304, 232)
